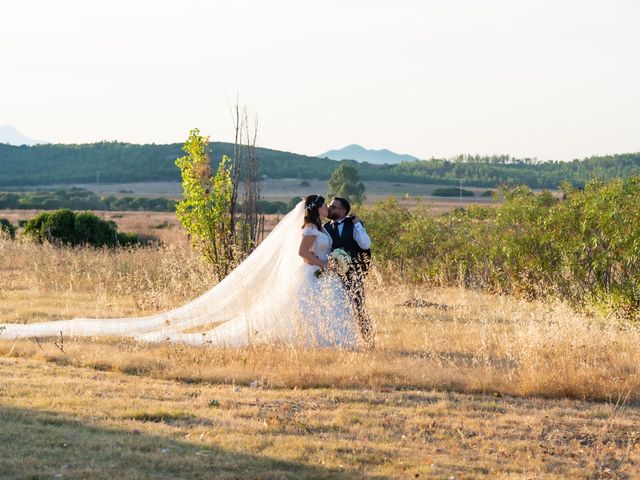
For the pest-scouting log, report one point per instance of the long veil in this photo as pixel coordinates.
(255, 303)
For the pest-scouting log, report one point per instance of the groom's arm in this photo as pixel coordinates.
(360, 234)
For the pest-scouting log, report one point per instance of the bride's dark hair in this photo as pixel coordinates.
(312, 204)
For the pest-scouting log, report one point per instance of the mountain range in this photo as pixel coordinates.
(361, 154)
(11, 136)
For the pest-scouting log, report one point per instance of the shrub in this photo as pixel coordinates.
(584, 249)
(265, 206)
(36, 228)
(127, 239)
(9, 200)
(292, 203)
(61, 226)
(7, 228)
(67, 227)
(452, 192)
(93, 230)
(80, 199)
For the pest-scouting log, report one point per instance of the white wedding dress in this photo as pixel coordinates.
(271, 297)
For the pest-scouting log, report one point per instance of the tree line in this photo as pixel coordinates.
(80, 199)
(116, 162)
(76, 198)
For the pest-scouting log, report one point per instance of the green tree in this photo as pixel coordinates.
(345, 182)
(205, 209)
(69, 228)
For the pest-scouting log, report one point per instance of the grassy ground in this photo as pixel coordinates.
(66, 422)
(462, 384)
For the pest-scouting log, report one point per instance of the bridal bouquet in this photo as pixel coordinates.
(340, 260)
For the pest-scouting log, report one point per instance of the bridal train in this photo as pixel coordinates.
(271, 297)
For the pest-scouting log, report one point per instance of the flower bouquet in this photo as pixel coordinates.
(340, 260)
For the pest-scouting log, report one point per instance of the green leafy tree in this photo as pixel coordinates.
(69, 228)
(292, 203)
(345, 182)
(205, 211)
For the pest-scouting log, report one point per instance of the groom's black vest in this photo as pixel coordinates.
(361, 258)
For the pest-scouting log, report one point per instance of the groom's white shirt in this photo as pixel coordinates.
(360, 235)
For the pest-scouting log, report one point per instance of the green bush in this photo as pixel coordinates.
(452, 192)
(291, 204)
(92, 230)
(36, 228)
(67, 227)
(128, 239)
(7, 228)
(9, 200)
(584, 249)
(266, 206)
(61, 226)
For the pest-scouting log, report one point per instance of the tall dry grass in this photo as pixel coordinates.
(42, 282)
(449, 339)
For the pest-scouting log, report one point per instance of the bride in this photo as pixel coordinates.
(274, 296)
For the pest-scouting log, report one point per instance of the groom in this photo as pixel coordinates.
(349, 234)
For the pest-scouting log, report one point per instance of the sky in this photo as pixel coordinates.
(550, 79)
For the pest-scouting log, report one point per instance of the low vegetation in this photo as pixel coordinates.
(462, 383)
(80, 199)
(507, 347)
(7, 228)
(444, 338)
(65, 227)
(452, 192)
(582, 248)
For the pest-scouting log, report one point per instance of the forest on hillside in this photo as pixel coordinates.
(116, 162)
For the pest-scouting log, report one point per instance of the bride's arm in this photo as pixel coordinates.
(305, 252)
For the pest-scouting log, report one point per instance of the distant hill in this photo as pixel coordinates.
(11, 136)
(361, 154)
(116, 162)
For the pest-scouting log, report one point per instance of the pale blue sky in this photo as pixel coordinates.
(549, 79)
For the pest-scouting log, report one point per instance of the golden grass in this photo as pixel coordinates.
(66, 422)
(395, 404)
(427, 338)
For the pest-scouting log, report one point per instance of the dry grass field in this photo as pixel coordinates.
(462, 384)
(273, 189)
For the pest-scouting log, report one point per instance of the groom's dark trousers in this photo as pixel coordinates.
(354, 278)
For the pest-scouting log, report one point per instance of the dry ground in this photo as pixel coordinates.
(462, 384)
(272, 189)
(66, 422)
